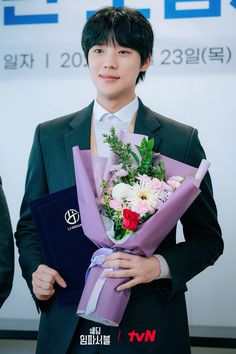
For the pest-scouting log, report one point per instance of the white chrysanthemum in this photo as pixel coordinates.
(120, 191)
(143, 192)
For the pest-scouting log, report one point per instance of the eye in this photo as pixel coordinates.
(98, 50)
(124, 51)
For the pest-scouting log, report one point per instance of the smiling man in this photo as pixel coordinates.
(117, 44)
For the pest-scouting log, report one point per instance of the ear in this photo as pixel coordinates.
(146, 64)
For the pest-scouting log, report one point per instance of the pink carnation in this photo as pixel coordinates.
(142, 208)
(173, 184)
(166, 187)
(115, 204)
(175, 181)
(121, 173)
(156, 183)
(144, 178)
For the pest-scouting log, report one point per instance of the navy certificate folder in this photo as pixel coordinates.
(64, 245)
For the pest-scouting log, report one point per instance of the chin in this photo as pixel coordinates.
(111, 95)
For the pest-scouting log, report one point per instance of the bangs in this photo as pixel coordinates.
(112, 36)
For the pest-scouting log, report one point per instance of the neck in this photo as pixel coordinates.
(114, 105)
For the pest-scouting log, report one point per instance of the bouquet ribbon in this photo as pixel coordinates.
(97, 259)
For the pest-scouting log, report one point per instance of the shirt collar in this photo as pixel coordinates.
(125, 114)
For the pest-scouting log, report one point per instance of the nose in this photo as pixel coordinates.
(110, 61)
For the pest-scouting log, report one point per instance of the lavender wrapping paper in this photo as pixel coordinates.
(110, 304)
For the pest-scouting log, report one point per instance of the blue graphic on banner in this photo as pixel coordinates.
(120, 3)
(233, 3)
(10, 17)
(214, 8)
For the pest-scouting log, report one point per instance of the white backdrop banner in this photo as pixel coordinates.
(42, 37)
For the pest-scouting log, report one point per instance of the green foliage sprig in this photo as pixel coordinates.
(123, 151)
(126, 156)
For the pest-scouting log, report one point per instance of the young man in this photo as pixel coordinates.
(6, 249)
(118, 43)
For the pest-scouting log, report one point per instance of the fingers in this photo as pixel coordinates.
(121, 273)
(41, 289)
(43, 280)
(120, 255)
(140, 269)
(44, 285)
(50, 275)
(120, 260)
(128, 285)
(117, 263)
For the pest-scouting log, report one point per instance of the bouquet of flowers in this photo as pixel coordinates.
(136, 189)
(135, 198)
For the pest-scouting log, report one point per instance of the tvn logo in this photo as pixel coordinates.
(146, 336)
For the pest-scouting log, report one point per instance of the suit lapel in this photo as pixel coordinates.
(79, 135)
(147, 123)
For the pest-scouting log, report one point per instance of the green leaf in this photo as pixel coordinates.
(151, 144)
(135, 156)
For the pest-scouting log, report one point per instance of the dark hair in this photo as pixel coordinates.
(122, 25)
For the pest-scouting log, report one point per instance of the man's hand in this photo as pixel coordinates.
(140, 269)
(43, 280)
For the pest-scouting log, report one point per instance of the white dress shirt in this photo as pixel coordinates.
(102, 123)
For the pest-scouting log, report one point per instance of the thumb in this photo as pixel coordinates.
(60, 281)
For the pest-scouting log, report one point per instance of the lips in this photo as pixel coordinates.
(109, 77)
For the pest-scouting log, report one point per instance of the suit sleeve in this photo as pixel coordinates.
(6, 250)
(30, 254)
(203, 242)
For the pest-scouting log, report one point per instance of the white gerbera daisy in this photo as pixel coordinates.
(145, 193)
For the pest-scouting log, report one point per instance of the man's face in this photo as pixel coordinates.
(114, 70)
